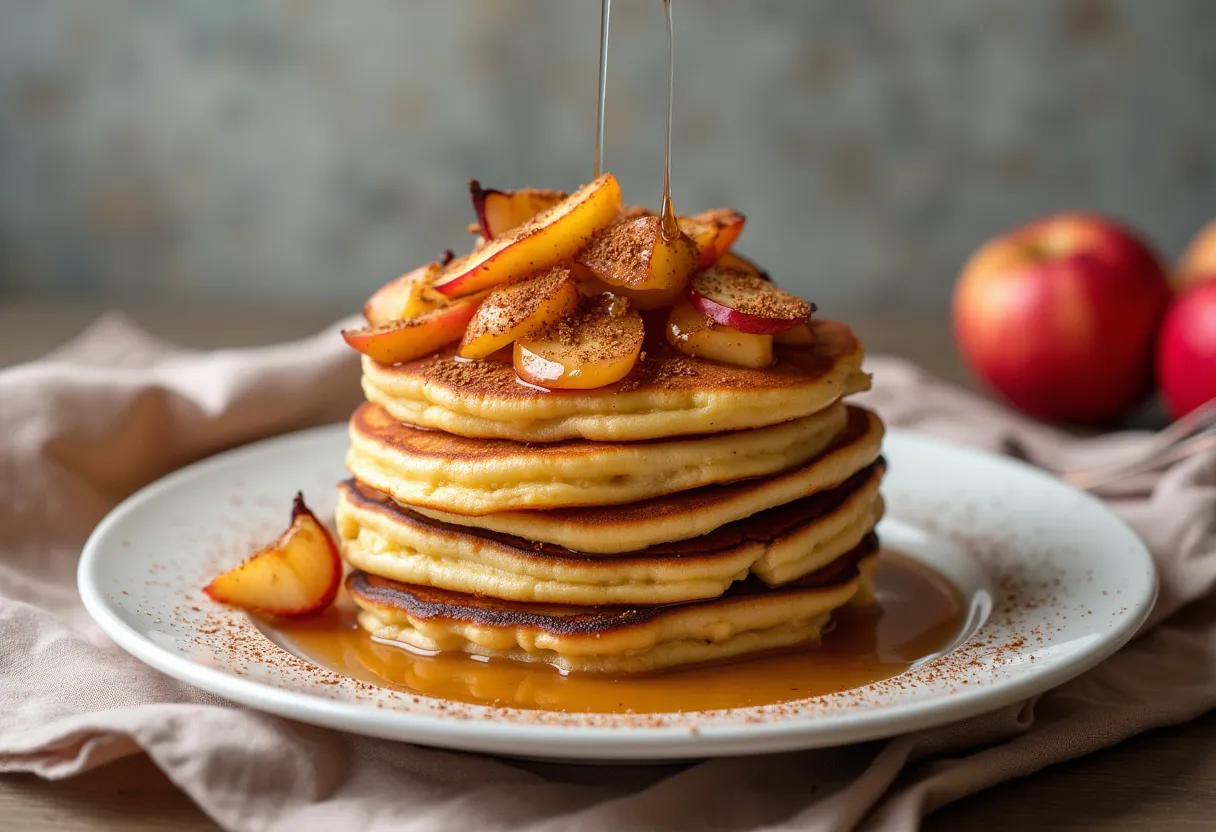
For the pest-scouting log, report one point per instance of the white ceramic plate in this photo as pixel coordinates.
(1054, 582)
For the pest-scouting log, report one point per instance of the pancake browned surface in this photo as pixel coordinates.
(778, 545)
(459, 475)
(627, 528)
(750, 618)
(667, 394)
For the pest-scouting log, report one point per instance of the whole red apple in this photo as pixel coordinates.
(1186, 350)
(1060, 317)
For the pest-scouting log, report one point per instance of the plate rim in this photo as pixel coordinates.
(597, 742)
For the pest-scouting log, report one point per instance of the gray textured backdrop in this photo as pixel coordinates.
(312, 150)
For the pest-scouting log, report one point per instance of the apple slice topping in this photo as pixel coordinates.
(731, 260)
(745, 302)
(296, 575)
(713, 232)
(596, 345)
(797, 336)
(499, 212)
(634, 255)
(407, 296)
(519, 310)
(550, 238)
(692, 333)
(406, 340)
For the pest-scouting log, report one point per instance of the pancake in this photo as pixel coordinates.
(459, 475)
(667, 394)
(751, 618)
(628, 528)
(782, 544)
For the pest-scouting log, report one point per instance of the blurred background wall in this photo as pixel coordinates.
(305, 151)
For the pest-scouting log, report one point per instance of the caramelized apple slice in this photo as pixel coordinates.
(501, 211)
(731, 260)
(407, 296)
(634, 255)
(798, 336)
(298, 574)
(596, 345)
(745, 302)
(406, 340)
(551, 237)
(519, 310)
(714, 232)
(691, 332)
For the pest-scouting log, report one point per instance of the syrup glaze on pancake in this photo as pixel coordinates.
(667, 394)
(386, 539)
(430, 603)
(481, 476)
(639, 525)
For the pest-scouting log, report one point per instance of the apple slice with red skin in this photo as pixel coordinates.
(299, 574)
(594, 346)
(519, 310)
(550, 238)
(498, 212)
(742, 301)
(401, 341)
(714, 232)
(692, 333)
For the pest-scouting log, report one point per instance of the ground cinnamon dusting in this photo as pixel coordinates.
(751, 295)
(599, 331)
(509, 306)
(621, 252)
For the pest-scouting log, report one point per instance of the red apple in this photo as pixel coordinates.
(1060, 316)
(1198, 262)
(746, 302)
(1186, 350)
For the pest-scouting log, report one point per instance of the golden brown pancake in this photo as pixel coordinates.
(628, 528)
(620, 639)
(384, 538)
(667, 394)
(459, 475)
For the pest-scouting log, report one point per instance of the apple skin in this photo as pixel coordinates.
(1186, 349)
(1198, 261)
(711, 293)
(1060, 317)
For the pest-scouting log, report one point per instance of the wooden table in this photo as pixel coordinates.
(1162, 780)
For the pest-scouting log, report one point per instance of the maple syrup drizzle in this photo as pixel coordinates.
(670, 226)
(605, 12)
(919, 615)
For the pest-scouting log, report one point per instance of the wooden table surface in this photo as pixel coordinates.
(1162, 780)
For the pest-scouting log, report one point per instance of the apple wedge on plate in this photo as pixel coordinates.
(298, 574)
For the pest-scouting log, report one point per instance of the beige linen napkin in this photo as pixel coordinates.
(116, 409)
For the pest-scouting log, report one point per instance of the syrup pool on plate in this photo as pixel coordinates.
(919, 615)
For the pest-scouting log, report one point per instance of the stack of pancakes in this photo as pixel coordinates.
(694, 511)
